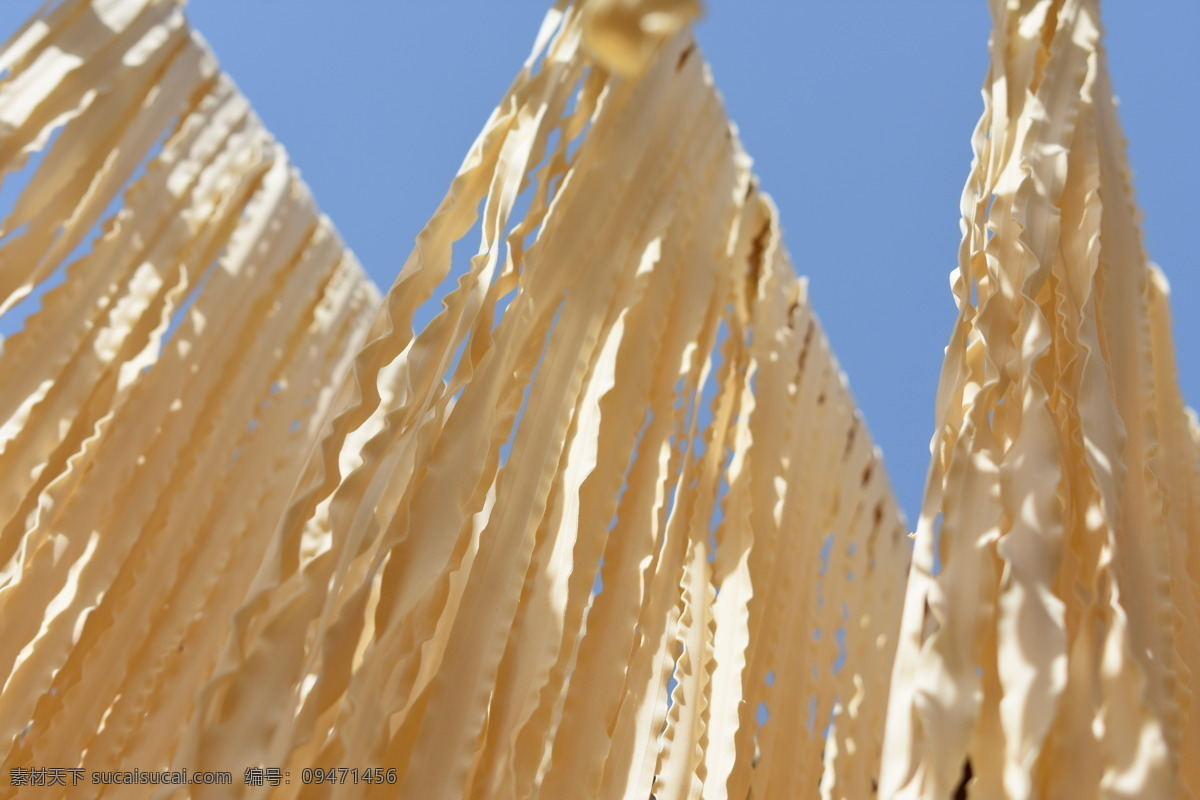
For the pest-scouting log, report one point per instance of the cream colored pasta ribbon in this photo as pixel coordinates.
(195, 313)
(608, 524)
(605, 512)
(1050, 639)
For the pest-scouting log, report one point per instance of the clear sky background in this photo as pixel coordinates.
(858, 116)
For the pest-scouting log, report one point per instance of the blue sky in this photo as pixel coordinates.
(858, 116)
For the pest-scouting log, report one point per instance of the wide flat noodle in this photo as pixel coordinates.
(157, 406)
(1048, 647)
(609, 523)
(609, 520)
